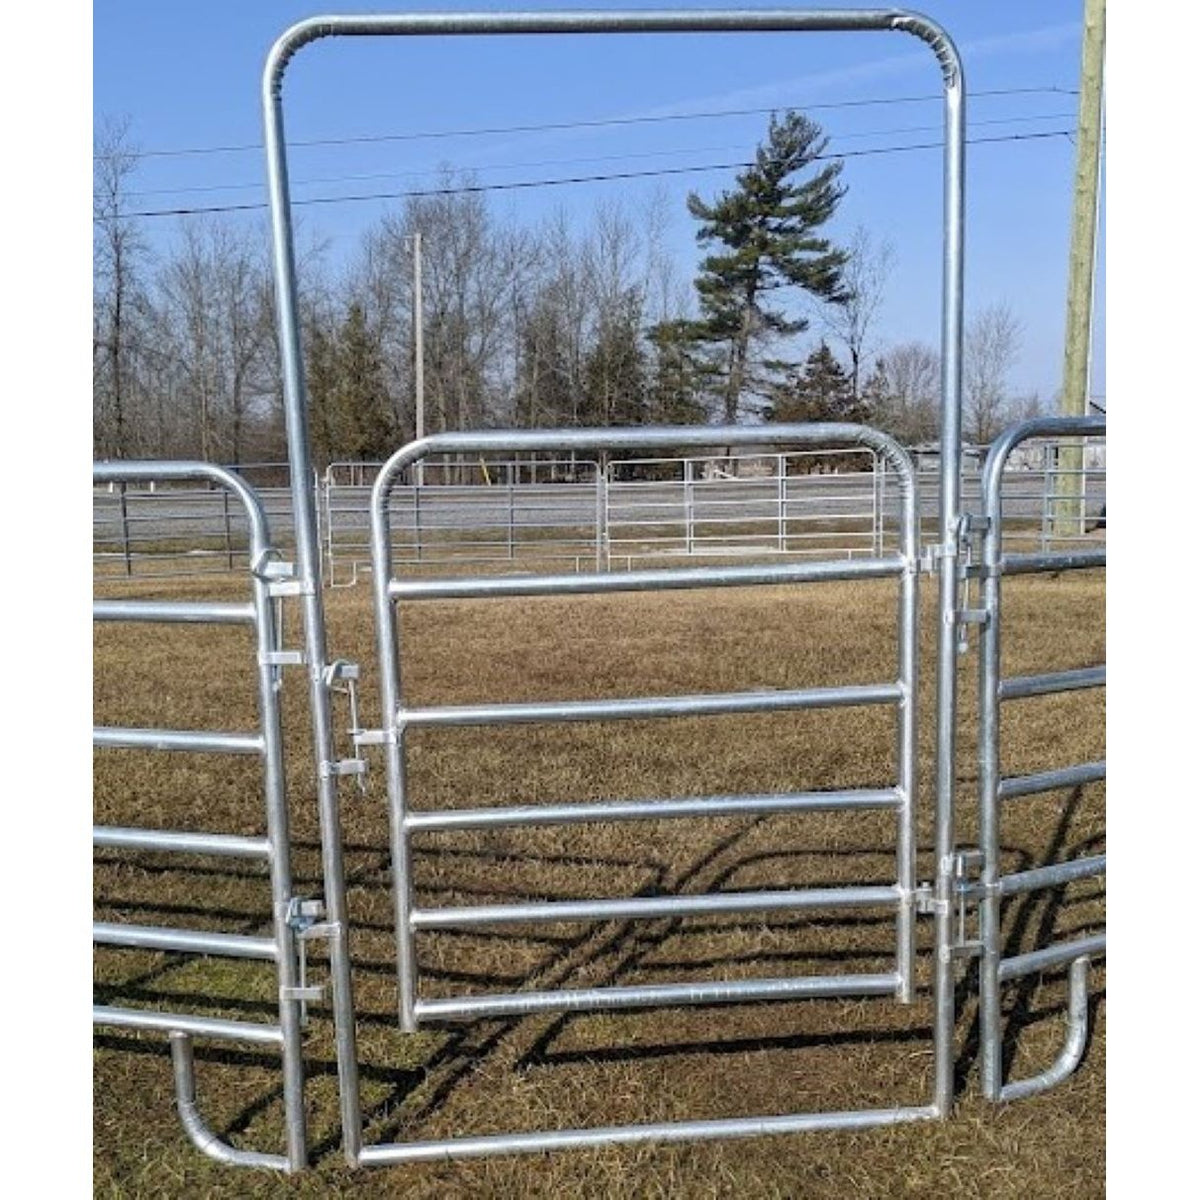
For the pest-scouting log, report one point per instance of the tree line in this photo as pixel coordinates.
(521, 327)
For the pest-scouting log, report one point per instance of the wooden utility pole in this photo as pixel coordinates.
(1069, 509)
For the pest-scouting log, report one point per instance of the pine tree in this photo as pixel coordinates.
(614, 370)
(821, 391)
(364, 423)
(769, 228)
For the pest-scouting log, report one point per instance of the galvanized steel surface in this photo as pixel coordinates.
(996, 789)
(646, 508)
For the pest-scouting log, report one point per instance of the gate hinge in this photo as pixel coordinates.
(288, 587)
(371, 737)
(930, 556)
(972, 616)
(304, 993)
(342, 766)
(282, 658)
(924, 901)
(303, 914)
(340, 669)
(281, 579)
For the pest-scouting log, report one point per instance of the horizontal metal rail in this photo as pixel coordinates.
(737, 991)
(651, 810)
(644, 581)
(190, 941)
(163, 1022)
(1047, 781)
(627, 1135)
(228, 845)
(191, 612)
(651, 907)
(1050, 957)
(1072, 560)
(198, 741)
(1053, 875)
(638, 708)
(1019, 687)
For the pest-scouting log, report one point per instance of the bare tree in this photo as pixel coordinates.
(118, 253)
(904, 390)
(852, 322)
(211, 293)
(990, 349)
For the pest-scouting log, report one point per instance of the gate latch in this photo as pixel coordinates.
(967, 866)
(304, 917)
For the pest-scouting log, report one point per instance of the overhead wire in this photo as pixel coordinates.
(468, 189)
(557, 126)
(554, 162)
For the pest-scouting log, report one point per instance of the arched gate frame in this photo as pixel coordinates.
(946, 553)
(945, 898)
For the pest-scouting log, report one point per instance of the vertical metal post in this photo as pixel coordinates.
(308, 573)
(124, 509)
(950, 514)
(603, 561)
(512, 552)
(417, 489)
(228, 531)
(387, 634)
(878, 480)
(781, 500)
(1049, 490)
(689, 505)
(989, 778)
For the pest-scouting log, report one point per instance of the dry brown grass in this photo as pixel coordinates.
(603, 1068)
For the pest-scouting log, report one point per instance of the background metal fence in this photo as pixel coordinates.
(587, 514)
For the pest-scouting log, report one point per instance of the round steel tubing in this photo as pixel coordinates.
(1053, 875)
(672, 579)
(179, 842)
(1045, 781)
(190, 941)
(993, 788)
(652, 706)
(627, 1135)
(738, 991)
(177, 739)
(156, 471)
(1072, 1051)
(192, 612)
(201, 1136)
(651, 907)
(295, 414)
(1068, 560)
(649, 810)
(1052, 956)
(161, 1022)
(1020, 687)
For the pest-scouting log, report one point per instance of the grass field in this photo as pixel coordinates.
(556, 1071)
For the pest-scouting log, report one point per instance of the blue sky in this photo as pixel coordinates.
(187, 78)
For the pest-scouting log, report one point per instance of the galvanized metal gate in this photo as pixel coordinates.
(997, 789)
(943, 897)
(282, 948)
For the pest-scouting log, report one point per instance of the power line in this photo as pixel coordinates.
(557, 162)
(362, 139)
(468, 189)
